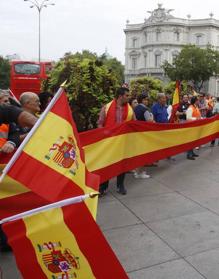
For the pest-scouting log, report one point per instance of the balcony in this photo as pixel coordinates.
(144, 71)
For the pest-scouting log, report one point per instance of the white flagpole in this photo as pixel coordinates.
(32, 131)
(13, 96)
(62, 203)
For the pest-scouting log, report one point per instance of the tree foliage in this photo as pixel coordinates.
(113, 65)
(193, 64)
(4, 73)
(91, 82)
(147, 85)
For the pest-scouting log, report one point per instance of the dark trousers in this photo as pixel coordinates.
(3, 238)
(120, 183)
(190, 153)
(213, 142)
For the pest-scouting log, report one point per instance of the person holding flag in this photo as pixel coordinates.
(116, 112)
(183, 106)
(9, 113)
(7, 145)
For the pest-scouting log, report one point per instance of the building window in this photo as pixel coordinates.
(134, 63)
(177, 36)
(217, 88)
(145, 61)
(157, 60)
(134, 42)
(174, 57)
(198, 40)
(145, 37)
(158, 36)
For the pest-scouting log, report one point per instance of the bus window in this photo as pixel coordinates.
(27, 69)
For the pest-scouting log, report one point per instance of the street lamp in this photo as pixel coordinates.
(39, 7)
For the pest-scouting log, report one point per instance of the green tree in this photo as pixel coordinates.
(90, 84)
(146, 84)
(114, 65)
(193, 64)
(4, 73)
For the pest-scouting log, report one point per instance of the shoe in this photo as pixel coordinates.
(171, 159)
(195, 155)
(132, 171)
(142, 175)
(190, 158)
(121, 190)
(102, 192)
(152, 165)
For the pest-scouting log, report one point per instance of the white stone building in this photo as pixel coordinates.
(161, 37)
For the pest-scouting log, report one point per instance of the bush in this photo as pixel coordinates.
(147, 85)
(91, 83)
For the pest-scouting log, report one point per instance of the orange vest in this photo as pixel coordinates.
(195, 111)
(110, 111)
(4, 128)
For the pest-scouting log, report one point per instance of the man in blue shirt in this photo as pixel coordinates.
(159, 109)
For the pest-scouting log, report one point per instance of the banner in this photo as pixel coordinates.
(110, 152)
(62, 243)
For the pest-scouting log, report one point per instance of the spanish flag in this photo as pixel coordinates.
(135, 143)
(175, 103)
(62, 243)
(50, 162)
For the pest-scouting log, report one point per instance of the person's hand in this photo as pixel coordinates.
(8, 147)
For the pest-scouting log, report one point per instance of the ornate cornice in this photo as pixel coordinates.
(159, 15)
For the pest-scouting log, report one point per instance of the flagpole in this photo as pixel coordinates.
(29, 135)
(12, 94)
(58, 204)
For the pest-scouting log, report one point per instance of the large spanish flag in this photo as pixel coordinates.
(62, 243)
(51, 162)
(112, 151)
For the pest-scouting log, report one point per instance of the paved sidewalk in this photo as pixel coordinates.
(166, 227)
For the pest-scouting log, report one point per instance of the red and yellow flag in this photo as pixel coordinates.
(136, 143)
(51, 164)
(62, 243)
(175, 104)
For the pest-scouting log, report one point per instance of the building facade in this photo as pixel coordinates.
(161, 37)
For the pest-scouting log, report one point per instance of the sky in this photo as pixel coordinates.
(74, 25)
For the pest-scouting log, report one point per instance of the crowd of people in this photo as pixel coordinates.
(18, 116)
(124, 108)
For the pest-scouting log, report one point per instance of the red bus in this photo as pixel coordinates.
(28, 76)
